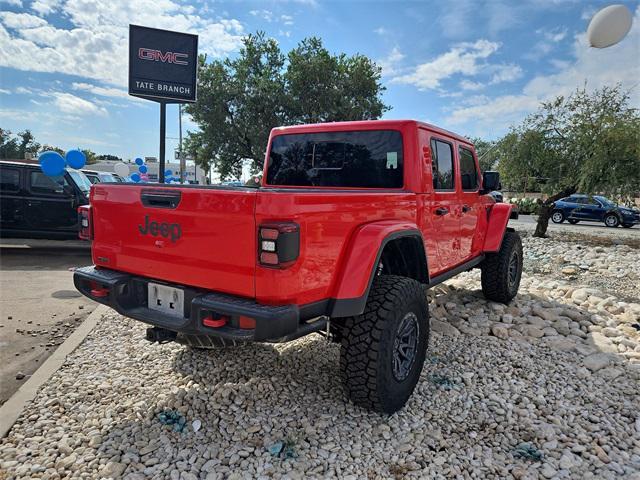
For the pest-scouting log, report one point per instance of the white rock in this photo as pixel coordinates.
(597, 361)
(444, 327)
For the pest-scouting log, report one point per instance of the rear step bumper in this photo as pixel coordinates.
(127, 294)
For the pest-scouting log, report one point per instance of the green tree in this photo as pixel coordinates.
(17, 146)
(588, 142)
(486, 152)
(50, 148)
(240, 100)
(108, 156)
(90, 156)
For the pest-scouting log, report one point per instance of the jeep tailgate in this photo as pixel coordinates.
(198, 236)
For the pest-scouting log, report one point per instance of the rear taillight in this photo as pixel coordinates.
(85, 231)
(278, 244)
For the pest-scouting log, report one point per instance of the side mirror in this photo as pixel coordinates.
(490, 182)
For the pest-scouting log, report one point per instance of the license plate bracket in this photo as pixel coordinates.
(168, 300)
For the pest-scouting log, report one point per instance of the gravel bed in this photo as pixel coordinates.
(611, 267)
(547, 387)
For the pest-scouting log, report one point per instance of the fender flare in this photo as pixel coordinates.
(362, 255)
(498, 219)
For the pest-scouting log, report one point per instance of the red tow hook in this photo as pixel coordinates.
(98, 291)
(214, 322)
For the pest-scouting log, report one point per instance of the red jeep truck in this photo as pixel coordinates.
(352, 222)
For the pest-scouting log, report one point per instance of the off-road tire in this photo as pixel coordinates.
(370, 341)
(557, 216)
(612, 220)
(572, 221)
(500, 282)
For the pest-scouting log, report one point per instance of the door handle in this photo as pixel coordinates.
(466, 208)
(442, 211)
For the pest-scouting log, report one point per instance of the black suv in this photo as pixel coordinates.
(34, 205)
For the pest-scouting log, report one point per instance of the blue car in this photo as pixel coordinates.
(593, 208)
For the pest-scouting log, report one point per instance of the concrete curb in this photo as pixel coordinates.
(29, 243)
(12, 408)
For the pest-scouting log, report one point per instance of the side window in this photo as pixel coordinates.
(41, 183)
(468, 170)
(9, 179)
(442, 165)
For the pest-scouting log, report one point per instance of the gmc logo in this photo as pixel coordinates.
(158, 56)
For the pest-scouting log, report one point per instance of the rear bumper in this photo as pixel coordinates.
(127, 294)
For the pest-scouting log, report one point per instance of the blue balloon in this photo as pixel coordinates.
(51, 163)
(142, 169)
(139, 161)
(76, 158)
(135, 178)
(168, 173)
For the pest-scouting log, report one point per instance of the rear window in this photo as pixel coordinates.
(468, 172)
(41, 183)
(9, 180)
(366, 159)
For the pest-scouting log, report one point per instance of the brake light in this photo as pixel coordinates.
(278, 244)
(85, 230)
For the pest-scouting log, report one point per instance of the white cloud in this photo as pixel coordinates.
(4, 91)
(556, 36)
(266, 15)
(103, 91)
(12, 3)
(68, 103)
(463, 59)
(505, 73)
(21, 20)
(24, 90)
(389, 64)
(45, 7)
(381, 31)
(593, 67)
(286, 19)
(95, 46)
(542, 48)
(469, 85)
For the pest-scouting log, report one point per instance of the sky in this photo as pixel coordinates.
(472, 67)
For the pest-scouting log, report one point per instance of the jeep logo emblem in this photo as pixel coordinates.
(167, 230)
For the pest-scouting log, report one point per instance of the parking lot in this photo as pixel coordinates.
(39, 304)
(582, 227)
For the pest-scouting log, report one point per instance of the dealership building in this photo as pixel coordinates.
(193, 173)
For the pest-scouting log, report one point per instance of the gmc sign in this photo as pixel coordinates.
(158, 56)
(162, 64)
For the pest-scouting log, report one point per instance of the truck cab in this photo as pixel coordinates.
(350, 225)
(35, 205)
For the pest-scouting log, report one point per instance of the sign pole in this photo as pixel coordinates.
(183, 164)
(163, 128)
(163, 68)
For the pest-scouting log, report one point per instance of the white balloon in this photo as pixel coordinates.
(121, 169)
(609, 26)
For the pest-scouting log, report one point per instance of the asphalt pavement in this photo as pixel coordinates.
(39, 305)
(582, 227)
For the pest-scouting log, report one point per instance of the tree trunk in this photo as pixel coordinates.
(545, 211)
